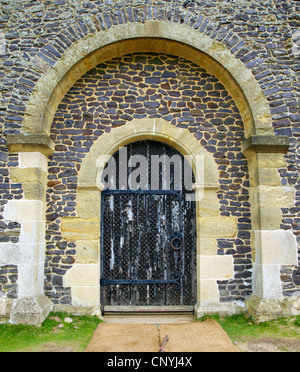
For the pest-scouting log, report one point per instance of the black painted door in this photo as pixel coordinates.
(148, 233)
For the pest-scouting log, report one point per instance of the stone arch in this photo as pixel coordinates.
(146, 129)
(273, 246)
(84, 276)
(150, 36)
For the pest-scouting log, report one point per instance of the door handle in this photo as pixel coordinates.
(176, 241)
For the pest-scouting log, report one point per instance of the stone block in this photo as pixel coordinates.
(207, 246)
(9, 252)
(34, 191)
(31, 310)
(272, 196)
(87, 251)
(208, 292)
(24, 210)
(32, 175)
(217, 227)
(266, 218)
(277, 247)
(74, 228)
(265, 144)
(265, 176)
(270, 160)
(266, 281)
(263, 310)
(31, 274)
(82, 275)
(263, 168)
(209, 204)
(34, 142)
(3, 301)
(88, 203)
(87, 175)
(215, 267)
(86, 296)
(32, 232)
(33, 160)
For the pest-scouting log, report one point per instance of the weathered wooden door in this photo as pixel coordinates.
(148, 232)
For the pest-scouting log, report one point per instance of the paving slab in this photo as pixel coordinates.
(207, 336)
(117, 338)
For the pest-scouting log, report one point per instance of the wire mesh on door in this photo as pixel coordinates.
(148, 236)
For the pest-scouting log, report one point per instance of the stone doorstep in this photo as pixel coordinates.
(147, 318)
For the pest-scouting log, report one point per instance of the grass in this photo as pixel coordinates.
(73, 336)
(241, 327)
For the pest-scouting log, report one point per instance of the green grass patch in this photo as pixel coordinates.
(73, 336)
(297, 321)
(55, 334)
(242, 327)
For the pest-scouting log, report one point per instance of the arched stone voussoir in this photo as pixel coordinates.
(151, 36)
(148, 129)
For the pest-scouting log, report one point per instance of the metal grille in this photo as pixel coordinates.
(148, 240)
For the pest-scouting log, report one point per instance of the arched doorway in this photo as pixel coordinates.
(148, 229)
(84, 277)
(153, 36)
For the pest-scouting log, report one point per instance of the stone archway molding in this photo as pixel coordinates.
(272, 247)
(264, 151)
(84, 277)
(151, 36)
(146, 129)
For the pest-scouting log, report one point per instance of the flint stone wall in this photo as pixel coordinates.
(261, 35)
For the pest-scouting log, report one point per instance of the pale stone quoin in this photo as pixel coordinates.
(216, 81)
(2, 44)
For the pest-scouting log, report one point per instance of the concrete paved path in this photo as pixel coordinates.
(207, 336)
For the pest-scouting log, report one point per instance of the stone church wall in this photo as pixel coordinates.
(36, 35)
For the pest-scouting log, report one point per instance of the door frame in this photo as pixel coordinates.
(180, 196)
(84, 277)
